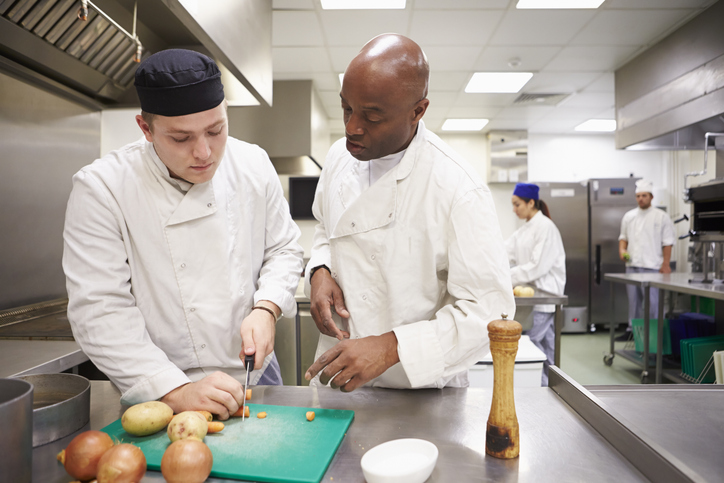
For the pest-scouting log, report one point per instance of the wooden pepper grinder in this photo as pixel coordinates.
(502, 439)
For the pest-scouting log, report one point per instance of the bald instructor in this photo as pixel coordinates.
(180, 253)
(408, 265)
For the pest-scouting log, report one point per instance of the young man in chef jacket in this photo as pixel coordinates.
(647, 236)
(180, 253)
(408, 264)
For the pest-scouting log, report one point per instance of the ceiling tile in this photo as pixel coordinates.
(460, 4)
(601, 100)
(571, 114)
(451, 58)
(507, 125)
(591, 58)
(293, 4)
(495, 59)
(553, 127)
(326, 81)
(609, 113)
(357, 27)
(440, 98)
(605, 83)
(485, 100)
(559, 82)
(300, 59)
(296, 28)
(454, 27)
(473, 112)
(527, 113)
(539, 27)
(342, 56)
(448, 81)
(438, 111)
(629, 27)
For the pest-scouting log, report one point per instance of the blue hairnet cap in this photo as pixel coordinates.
(177, 82)
(526, 190)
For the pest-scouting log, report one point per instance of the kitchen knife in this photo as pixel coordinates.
(249, 364)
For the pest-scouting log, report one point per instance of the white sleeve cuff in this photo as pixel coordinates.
(155, 387)
(413, 340)
(284, 300)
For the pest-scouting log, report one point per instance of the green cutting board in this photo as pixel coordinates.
(283, 447)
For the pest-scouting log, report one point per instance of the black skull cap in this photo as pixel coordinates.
(177, 82)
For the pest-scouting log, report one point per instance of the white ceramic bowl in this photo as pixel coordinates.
(400, 461)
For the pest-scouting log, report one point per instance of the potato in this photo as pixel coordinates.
(186, 425)
(517, 289)
(527, 292)
(146, 418)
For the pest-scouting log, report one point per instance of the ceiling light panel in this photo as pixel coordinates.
(570, 4)
(363, 4)
(511, 82)
(464, 124)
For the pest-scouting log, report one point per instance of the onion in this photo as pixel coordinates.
(81, 457)
(124, 463)
(187, 461)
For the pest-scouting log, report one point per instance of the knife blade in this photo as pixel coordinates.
(248, 364)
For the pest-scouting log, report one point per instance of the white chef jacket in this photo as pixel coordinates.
(537, 257)
(419, 253)
(160, 273)
(647, 232)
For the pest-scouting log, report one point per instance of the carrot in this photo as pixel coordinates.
(248, 394)
(261, 415)
(310, 415)
(215, 427)
(238, 413)
(206, 414)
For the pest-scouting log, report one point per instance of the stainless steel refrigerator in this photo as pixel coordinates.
(588, 215)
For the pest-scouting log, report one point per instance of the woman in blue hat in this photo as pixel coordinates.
(537, 258)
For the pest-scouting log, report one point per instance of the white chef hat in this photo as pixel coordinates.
(644, 186)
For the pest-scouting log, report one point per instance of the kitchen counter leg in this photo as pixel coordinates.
(298, 330)
(660, 336)
(558, 327)
(647, 309)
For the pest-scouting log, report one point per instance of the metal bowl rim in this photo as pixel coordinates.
(25, 394)
(77, 395)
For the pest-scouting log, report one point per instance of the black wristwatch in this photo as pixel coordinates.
(312, 271)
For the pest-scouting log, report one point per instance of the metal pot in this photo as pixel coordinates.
(61, 405)
(16, 445)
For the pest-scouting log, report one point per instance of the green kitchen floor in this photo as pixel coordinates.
(582, 359)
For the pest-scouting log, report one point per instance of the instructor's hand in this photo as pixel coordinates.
(218, 393)
(326, 295)
(353, 362)
(257, 335)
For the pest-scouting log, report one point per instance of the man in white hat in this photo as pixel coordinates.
(647, 235)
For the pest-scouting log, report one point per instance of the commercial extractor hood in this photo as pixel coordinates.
(668, 97)
(45, 43)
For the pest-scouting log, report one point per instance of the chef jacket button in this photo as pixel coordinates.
(352, 224)
(372, 257)
(334, 274)
(183, 265)
(203, 346)
(210, 205)
(192, 309)
(390, 216)
(364, 297)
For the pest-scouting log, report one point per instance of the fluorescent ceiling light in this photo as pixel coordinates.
(464, 124)
(597, 125)
(362, 4)
(341, 78)
(559, 3)
(497, 82)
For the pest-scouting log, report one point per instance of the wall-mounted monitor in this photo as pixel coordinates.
(301, 196)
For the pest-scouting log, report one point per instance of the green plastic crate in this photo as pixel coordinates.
(638, 331)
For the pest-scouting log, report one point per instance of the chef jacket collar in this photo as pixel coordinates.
(180, 184)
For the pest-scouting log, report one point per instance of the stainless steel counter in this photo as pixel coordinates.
(673, 282)
(556, 444)
(24, 357)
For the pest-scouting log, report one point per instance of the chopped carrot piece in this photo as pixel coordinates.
(310, 415)
(248, 394)
(215, 426)
(206, 414)
(261, 415)
(238, 412)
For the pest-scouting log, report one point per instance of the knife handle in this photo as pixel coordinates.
(249, 362)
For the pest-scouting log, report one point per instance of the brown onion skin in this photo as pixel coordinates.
(84, 452)
(187, 461)
(124, 463)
